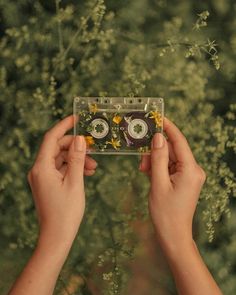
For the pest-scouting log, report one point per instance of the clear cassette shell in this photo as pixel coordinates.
(118, 125)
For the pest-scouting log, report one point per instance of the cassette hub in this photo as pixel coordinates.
(100, 128)
(137, 128)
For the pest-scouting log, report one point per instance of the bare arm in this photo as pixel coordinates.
(41, 272)
(190, 273)
(176, 182)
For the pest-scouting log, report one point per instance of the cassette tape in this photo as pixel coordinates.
(118, 125)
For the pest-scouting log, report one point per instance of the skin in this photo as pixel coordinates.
(176, 181)
(57, 183)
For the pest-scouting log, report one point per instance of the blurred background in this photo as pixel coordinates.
(184, 51)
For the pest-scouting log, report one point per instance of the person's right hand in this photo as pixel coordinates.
(176, 182)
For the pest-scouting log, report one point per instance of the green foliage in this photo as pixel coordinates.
(53, 51)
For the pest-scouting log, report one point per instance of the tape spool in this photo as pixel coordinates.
(137, 130)
(100, 128)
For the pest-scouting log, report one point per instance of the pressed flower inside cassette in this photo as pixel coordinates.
(118, 125)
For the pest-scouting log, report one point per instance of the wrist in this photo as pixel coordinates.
(57, 235)
(173, 233)
(175, 245)
(55, 253)
(48, 242)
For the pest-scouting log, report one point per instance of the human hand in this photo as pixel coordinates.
(176, 182)
(57, 184)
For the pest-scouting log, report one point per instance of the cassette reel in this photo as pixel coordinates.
(118, 125)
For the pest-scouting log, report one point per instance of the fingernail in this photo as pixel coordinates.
(79, 143)
(158, 141)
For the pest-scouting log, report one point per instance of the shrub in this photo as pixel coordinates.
(53, 51)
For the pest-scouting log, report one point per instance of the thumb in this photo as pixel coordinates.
(160, 178)
(76, 160)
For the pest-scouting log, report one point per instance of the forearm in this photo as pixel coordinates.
(41, 272)
(190, 273)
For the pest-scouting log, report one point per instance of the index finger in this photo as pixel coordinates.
(50, 147)
(179, 143)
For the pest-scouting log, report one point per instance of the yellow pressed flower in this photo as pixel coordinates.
(158, 122)
(93, 108)
(89, 140)
(117, 119)
(157, 118)
(115, 143)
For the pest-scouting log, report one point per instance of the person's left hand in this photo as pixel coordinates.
(57, 182)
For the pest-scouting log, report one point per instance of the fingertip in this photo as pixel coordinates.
(89, 172)
(166, 121)
(90, 163)
(145, 163)
(90, 159)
